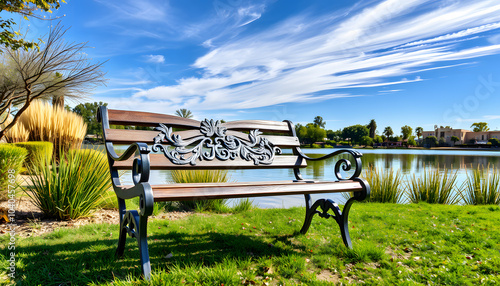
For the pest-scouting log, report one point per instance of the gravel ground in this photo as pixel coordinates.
(30, 221)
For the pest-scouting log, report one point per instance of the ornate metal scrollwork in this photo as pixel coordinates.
(346, 165)
(221, 146)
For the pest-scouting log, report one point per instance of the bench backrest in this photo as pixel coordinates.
(276, 135)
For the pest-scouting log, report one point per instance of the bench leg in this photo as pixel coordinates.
(123, 231)
(340, 216)
(135, 226)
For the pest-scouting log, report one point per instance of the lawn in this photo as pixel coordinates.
(393, 244)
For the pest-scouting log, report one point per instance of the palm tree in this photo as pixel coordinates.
(373, 127)
(184, 113)
(388, 132)
(318, 121)
(419, 131)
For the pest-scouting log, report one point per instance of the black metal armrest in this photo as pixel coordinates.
(341, 163)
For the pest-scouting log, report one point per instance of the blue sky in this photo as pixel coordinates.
(414, 62)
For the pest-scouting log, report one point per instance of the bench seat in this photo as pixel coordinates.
(199, 191)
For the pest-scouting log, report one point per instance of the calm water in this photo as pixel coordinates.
(408, 161)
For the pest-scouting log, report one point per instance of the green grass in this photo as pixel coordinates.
(393, 245)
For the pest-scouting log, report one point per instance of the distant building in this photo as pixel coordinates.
(464, 136)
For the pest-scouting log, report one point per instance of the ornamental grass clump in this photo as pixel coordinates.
(202, 176)
(385, 185)
(16, 133)
(434, 187)
(482, 187)
(72, 189)
(11, 162)
(65, 129)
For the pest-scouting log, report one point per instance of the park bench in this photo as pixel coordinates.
(180, 143)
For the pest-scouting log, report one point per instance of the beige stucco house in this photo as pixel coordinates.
(464, 136)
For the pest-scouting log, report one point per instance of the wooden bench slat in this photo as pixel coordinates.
(262, 125)
(181, 192)
(137, 118)
(124, 136)
(160, 162)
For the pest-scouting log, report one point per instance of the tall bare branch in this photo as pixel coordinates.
(59, 68)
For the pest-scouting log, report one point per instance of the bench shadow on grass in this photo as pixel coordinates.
(75, 263)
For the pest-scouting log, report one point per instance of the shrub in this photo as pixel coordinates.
(494, 141)
(434, 187)
(65, 129)
(367, 141)
(385, 185)
(11, 161)
(72, 189)
(315, 146)
(482, 187)
(202, 176)
(38, 152)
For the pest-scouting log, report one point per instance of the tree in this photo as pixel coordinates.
(315, 133)
(431, 141)
(366, 140)
(480, 127)
(419, 131)
(301, 132)
(355, 133)
(89, 113)
(334, 135)
(454, 139)
(406, 131)
(319, 122)
(411, 141)
(184, 113)
(30, 75)
(372, 126)
(26, 8)
(378, 139)
(388, 132)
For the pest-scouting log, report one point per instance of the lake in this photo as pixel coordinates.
(407, 160)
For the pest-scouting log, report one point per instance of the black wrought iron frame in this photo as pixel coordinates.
(340, 216)
(134, 223)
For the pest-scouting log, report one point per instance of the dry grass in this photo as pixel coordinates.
(15, 134)
(65, 129)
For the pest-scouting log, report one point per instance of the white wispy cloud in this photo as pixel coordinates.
(155, 59)
(311, 59)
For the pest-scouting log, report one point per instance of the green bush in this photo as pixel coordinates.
(435, 187)
(72, 189)
(494, 141)
(385, 185)
(11, 162)
(315, 146)
(203, 176)
(38, 152)
(482, 187)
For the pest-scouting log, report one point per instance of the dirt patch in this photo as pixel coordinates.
(398, 256)
(328, 276)
(30, 221)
